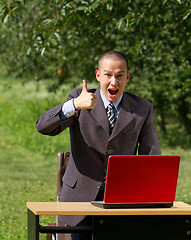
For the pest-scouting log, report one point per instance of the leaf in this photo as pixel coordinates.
(53, 42)
(187, 15)
(28, 51)
(119, 23)
(6, 19)
(85, 2)
(47, 21)
(57, 36)
(68, 19)
(94, 6)
(187, 85)
(186, 73)
(189, 115)
(42, 52)
(179, 1)
(82, 8)
(165, 2)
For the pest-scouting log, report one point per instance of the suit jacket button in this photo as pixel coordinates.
(98, 186)
(109, 147)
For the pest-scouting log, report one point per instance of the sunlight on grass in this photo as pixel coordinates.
(28, 160)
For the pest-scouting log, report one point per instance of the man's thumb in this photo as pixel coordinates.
(84, 89)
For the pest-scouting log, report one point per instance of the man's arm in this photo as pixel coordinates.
(148, 139)
(50, 122)
(57, 119)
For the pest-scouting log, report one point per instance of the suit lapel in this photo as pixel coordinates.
(124, 118)
(125, 115)
(99, 113)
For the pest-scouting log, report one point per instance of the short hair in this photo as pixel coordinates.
(113, 55)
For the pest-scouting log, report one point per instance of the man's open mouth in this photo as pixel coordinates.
(113, 92)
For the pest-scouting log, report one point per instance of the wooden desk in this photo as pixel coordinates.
(148, 223)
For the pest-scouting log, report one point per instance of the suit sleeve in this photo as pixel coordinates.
(50, 122)
(148, 139)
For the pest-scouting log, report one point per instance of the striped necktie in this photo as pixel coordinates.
(111, 116)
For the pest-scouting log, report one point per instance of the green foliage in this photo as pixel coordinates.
(38, 38)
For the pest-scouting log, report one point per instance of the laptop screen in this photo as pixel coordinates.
(141, 178)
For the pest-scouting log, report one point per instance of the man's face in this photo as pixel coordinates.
(113, 77)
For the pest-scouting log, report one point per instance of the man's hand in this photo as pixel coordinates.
(86, 100)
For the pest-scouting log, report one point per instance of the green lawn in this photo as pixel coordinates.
(28, 160)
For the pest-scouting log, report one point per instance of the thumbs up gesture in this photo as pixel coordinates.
(86, 100)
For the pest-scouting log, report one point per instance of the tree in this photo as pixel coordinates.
(71, 35)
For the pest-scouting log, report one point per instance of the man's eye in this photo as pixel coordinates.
(120, 77)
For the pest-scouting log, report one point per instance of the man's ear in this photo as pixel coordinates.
(128, 76)
(97, 74)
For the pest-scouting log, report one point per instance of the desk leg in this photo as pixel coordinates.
(33, 226)
(142, 227)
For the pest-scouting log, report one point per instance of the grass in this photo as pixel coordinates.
(28, 160)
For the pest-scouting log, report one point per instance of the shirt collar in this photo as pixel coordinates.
(106, 102)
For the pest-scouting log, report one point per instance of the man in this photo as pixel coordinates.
(93, 137)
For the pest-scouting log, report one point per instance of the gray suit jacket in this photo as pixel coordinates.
(91, 143)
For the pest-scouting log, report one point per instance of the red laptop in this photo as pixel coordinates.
(140, 181)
